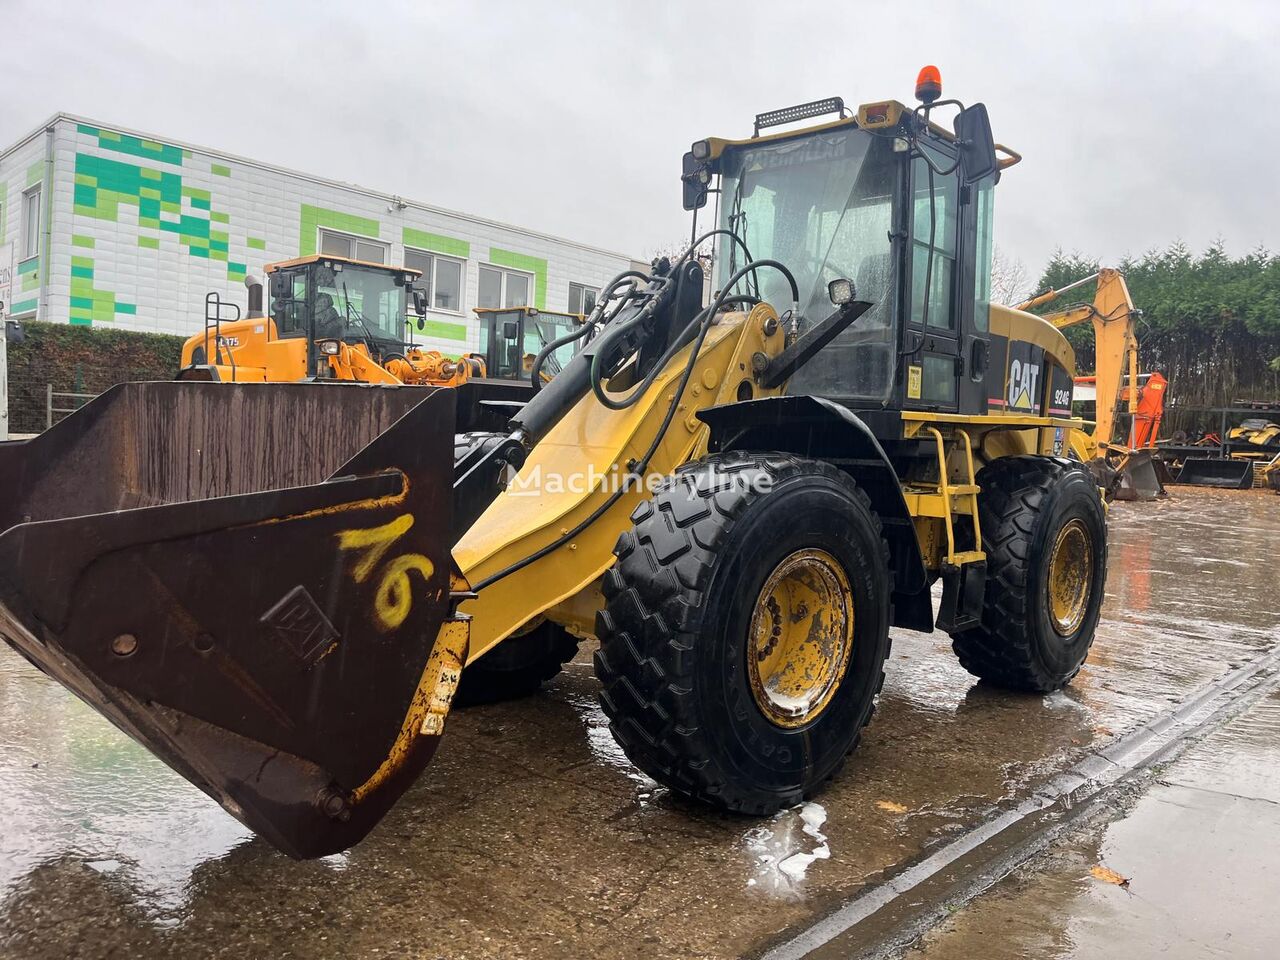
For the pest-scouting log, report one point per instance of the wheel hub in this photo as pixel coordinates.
(800, 638)
(1070, 578)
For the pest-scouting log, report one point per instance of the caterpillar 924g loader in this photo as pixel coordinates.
(277, 587)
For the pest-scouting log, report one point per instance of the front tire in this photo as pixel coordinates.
(517, 667)
(1044, 531)
(745, 629)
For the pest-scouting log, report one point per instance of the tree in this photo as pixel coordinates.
(1009, 284)
(1209, 322)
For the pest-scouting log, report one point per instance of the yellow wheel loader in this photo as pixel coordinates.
(336, 319)
(278, 587)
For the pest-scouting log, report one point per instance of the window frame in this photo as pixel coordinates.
(502, 288)
(462, 279)
(355, 239)
(583, 289)
(29, 239)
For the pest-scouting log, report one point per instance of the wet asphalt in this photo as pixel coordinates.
(531, 836)
(1190, 868)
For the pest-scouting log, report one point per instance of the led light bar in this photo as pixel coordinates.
(803, 111)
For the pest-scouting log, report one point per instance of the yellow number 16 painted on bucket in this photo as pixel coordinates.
(394, 599)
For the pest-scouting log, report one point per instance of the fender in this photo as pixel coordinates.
(818, 428)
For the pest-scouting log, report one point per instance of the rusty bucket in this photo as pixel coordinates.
(250, 580)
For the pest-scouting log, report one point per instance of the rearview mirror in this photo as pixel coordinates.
(510, 330)
(695, 176)
(977, 145)
(419, 302)
(281, 286)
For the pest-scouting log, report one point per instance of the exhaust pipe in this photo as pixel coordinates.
(255, 298)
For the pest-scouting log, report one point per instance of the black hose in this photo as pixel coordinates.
(640, 467)
(593, 321)
(535, 374)
(597, 375)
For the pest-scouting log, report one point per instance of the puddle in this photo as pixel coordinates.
(783, 850)
(605, 749)
(75, 787)
(533, 835)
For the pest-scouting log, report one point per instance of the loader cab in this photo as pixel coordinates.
(511, 337)
(899, 206)
(326, 298)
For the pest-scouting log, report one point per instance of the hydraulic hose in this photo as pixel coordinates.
(593, 322)
(597, 373)
(639, 468)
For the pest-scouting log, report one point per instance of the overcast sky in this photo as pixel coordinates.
(1141, 123)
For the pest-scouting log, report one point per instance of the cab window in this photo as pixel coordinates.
(937, 231)
(290, 313)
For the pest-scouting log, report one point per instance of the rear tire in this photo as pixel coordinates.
(745, 630)
(1044, 531)
(519, 665)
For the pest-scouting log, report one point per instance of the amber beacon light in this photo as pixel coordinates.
(929, 84)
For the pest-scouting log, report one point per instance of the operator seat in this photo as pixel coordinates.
(328, 320)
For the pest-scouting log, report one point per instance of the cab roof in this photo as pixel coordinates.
(331, 258)
(877, 115)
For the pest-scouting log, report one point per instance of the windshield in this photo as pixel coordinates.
(355, 303)
(822, 205)
(545, 328)
(514, 355)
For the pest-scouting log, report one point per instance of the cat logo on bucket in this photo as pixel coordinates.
(1023, 377)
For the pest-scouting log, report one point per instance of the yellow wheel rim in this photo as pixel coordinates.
(1070, 578)
(800, 638)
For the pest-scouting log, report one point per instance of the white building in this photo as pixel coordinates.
(105, 226)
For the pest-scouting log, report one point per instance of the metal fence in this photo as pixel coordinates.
(54, 413)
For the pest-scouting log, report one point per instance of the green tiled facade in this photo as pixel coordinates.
(136, 231)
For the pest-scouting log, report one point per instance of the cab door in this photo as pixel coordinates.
(945, 339)
(932, 325)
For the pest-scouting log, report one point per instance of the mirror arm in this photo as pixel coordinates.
(786, 363)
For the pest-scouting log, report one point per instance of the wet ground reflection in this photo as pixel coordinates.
(532, 836)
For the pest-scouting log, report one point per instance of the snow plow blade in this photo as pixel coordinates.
(254, 582)
(1227, 474)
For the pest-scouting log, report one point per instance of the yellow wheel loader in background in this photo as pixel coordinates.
(1126, 471)
(336, 319)
(277, 587)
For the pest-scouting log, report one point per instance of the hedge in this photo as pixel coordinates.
(78, 359)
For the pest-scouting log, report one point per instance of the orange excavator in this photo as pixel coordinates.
(1147, 411)
(1123, 466)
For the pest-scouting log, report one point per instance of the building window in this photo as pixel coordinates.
(504, 288)
(353, 248)
(441, 279)
(582, 299)
(30, 223)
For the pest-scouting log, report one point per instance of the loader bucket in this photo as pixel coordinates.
(248, 579)
(1138, 477)
(1228, 474)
